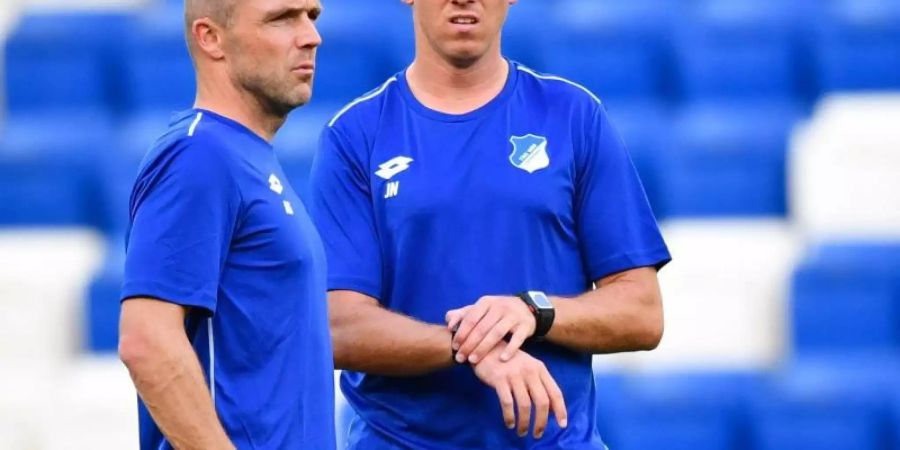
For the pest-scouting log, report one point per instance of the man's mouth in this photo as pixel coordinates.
(464, 19)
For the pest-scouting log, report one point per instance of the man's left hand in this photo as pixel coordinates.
(483, 325)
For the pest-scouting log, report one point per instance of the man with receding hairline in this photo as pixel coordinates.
(224, 324)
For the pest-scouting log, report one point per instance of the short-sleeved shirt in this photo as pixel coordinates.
(428, 212)
(216, 227)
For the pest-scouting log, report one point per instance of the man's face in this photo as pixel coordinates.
(461, 31)
(271, 48)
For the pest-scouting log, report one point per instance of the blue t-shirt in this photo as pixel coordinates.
(215, 226)
(428, 212)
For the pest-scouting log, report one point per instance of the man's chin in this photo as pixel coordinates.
(464, 55)
(302, 95)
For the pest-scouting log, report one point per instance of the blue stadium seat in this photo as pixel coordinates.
(836, 403)
(119, 165)
(857, 46)
(48, 174)
(296, 144)
(895, 418)
(646, 128)
(63, 62)
(614, 48)
(362, 47)
(738, 49)
(526, 27)
(727, 159)
(697, 411)
(157, 70)
(102, 305)
(846, 298)
(816, 423)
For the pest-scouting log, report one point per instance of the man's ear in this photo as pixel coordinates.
(408, 2)
(207, 37)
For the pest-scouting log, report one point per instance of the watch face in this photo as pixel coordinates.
(540, 300)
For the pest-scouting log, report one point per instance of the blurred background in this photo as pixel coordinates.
(767, 133)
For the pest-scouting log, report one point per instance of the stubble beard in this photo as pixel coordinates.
(276, 97)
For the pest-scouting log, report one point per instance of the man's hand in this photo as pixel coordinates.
(521, 382)
(483, 325)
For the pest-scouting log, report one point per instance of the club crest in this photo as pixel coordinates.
(529, 152)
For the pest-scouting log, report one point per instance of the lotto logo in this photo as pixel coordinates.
(391, 168)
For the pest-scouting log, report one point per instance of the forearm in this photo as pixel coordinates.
(624, 314)
(369, 338)
(167, 374)
(172, 386)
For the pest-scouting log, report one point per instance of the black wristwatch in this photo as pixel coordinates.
(542, 309)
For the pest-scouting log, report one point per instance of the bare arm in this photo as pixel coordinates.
(167, 374)
(369, 338)
(623, 314)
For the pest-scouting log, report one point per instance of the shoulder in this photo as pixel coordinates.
(557, 90)
(364, 109)
(352, 130)
(193, 144)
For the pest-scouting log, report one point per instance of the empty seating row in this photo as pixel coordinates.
(644, 49)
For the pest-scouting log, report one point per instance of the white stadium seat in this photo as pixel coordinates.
(844, 169)
(42, 284)
(94, 408)
(725, 296)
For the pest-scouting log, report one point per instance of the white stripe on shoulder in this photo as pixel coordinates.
(194, 124)
(556, 78)
(370, 96)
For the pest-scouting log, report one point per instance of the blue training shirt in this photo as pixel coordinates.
(428, 212)
(215, 226)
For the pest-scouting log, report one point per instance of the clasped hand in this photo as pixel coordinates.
(521, 381)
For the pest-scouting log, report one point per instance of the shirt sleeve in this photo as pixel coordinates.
(184, 210)
(616, 227)
(341, 207)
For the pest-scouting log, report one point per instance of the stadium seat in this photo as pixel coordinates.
(727, 159)
(895, 419)
(48, 174)
(296, 144)
(25, 397)
(846, 298)
(520, 41)
(646, 128)
(737, 49)
(102, 305)
(119, 166)
(44, 275)
(613, 48)
(816, 423)
(94, 407)
(857, 46)
(63, 61)
(157, 70)
(843, 168)
(725, 295)
(697, 411)
(837, 403)
(346, 65)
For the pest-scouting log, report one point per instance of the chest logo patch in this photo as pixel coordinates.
(391, 168)
(529, 153)
(275, 184)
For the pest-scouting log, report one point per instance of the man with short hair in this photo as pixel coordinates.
(475, 190)
(224, 317)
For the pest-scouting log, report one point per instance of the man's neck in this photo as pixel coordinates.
(441, 86)
(241, 107)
